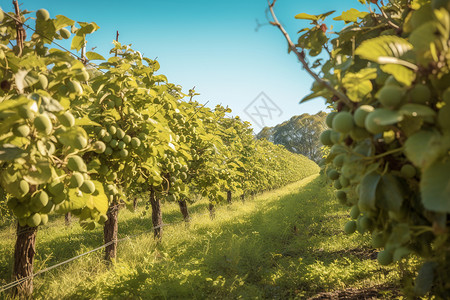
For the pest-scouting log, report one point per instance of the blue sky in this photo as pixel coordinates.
(212, 45)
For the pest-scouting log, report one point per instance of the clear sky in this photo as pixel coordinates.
(212, 45)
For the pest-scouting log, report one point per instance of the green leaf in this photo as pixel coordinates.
(367, 191)
(401, 73)
(98, 198)
(23, 80)
(77, 42)
(358, 85)
(305, 16)
(435, 187)
(425, 147)
(10, 152)
(61, 21)
(386, 49)
(86, 121)
(422, 37)
(39, 173)
(388, 117)
(417, 110)
(351, 15)
(94, 56)
(389, 193)
(425, 278)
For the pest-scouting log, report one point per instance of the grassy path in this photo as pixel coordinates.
(283, 244)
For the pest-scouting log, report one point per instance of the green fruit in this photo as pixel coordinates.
(64, 33)
(112, 130)
(43, 124)
(39, 200)
(99, 147)
(123, 153)
(43, 81)
(344, 181)
(384, 257)
(121, 145)
(108, 151)
(76, 180)
(343, 122)
(338, 161)
(75, 87)
(350, 227)
(444, 117)
(24, 188)
(42, 14)
(408, 171)
(79, 142)
(337, 184)
(67, 119)
(361, 114)
(112, 176)
(333, 174)
(135, 142)
(364, 224)
(107, 138)
(113, 143)
(341, 195)
(329, 119)
(87, 187)
(44, 219)
(56, 188)
(76, 163)
(34, 220)
(26, 112)
(127, 139)
(420, 93)
(355, 212)
(325, 138)
(120, 133)
(21, 130)
(391, 96)
(335, 137)
(372, 122)
(378, 240)
(392, 81)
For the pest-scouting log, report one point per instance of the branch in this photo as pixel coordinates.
(301, 58)
(388, 19)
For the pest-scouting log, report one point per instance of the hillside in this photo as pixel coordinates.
(300, 134)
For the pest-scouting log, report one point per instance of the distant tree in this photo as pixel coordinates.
(299, 135)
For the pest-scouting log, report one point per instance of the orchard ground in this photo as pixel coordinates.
(286, 243)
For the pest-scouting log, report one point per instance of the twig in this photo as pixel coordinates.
(301, 58)
(388, 19)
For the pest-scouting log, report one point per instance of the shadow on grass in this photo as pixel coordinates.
(270, 254)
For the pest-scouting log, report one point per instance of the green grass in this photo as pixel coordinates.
(283, 244)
